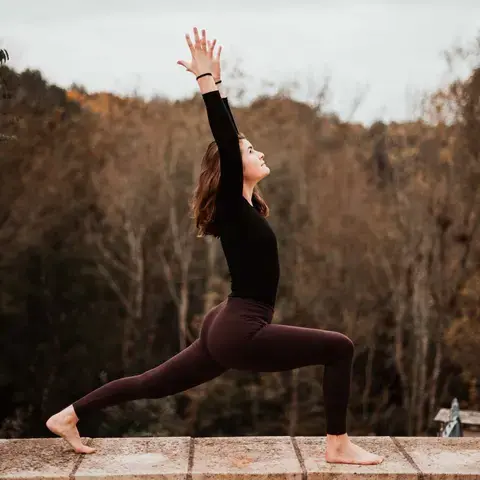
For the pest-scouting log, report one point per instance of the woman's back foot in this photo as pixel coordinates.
(64, 424)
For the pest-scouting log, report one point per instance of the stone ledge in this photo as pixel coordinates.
(236, 458)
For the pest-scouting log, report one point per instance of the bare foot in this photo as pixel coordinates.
(64, 424)
(341, 450)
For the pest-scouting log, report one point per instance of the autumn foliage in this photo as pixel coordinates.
(102, 274)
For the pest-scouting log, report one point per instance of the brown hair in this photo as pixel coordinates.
(202, 204)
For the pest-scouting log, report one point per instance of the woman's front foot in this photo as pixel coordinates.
(341, 450)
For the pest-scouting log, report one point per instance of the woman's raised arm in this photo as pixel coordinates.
(217, 76)
(221, 123)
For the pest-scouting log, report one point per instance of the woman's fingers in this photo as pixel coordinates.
(200, 62)
(211, 47)
(197, 38)
(189, 43)
(204, 39)
(219, 51)
(185, 64)
(201, 43)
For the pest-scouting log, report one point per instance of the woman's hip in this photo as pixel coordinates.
(234, 322)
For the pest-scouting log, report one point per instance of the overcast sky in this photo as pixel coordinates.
(390, 50)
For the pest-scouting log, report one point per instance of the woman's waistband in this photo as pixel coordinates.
(252, 302)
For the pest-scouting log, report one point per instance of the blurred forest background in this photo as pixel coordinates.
(102, 275)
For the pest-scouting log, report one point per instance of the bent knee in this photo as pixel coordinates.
(345, 345)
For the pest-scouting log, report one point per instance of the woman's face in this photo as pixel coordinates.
(254, 166)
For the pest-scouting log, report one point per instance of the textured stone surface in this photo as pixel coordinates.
(237, 458)
(448, 458)
(37, 458)
(394, 466)
(242, 458)
(134, 458)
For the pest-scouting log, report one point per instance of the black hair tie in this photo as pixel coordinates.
(203, 75)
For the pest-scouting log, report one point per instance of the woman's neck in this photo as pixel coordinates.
(248, 193)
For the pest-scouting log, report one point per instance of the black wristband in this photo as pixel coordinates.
(203, 75)
(219, 81)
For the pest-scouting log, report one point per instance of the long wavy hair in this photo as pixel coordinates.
(203, 201)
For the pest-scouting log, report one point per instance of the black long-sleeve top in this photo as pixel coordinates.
(248, 241)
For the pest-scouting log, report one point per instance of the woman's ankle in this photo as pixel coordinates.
(337, 439)
(71, 413)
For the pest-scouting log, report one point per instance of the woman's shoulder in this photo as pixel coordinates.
(230, 214)
(228, 206)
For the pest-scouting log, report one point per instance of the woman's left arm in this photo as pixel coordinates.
(227, 106)
(221, 88)
(217, 76)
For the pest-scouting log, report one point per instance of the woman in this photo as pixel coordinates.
(238, 332)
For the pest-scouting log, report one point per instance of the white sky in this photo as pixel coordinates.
(390, 49)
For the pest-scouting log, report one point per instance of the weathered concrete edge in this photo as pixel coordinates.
(408, 458)
(191, 455)
(401, 450)
(300, 459)
(76, 466)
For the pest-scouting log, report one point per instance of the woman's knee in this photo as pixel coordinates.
(344, 345)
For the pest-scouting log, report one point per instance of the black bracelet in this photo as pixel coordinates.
(203, 75)
(216, 83)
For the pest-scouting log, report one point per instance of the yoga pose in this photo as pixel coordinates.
(237, 333)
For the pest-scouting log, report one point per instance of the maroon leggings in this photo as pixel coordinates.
(238, 334)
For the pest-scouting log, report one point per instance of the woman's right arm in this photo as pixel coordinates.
(225, 134)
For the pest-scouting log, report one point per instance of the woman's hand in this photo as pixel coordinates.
(202, 54)
(217, 72)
